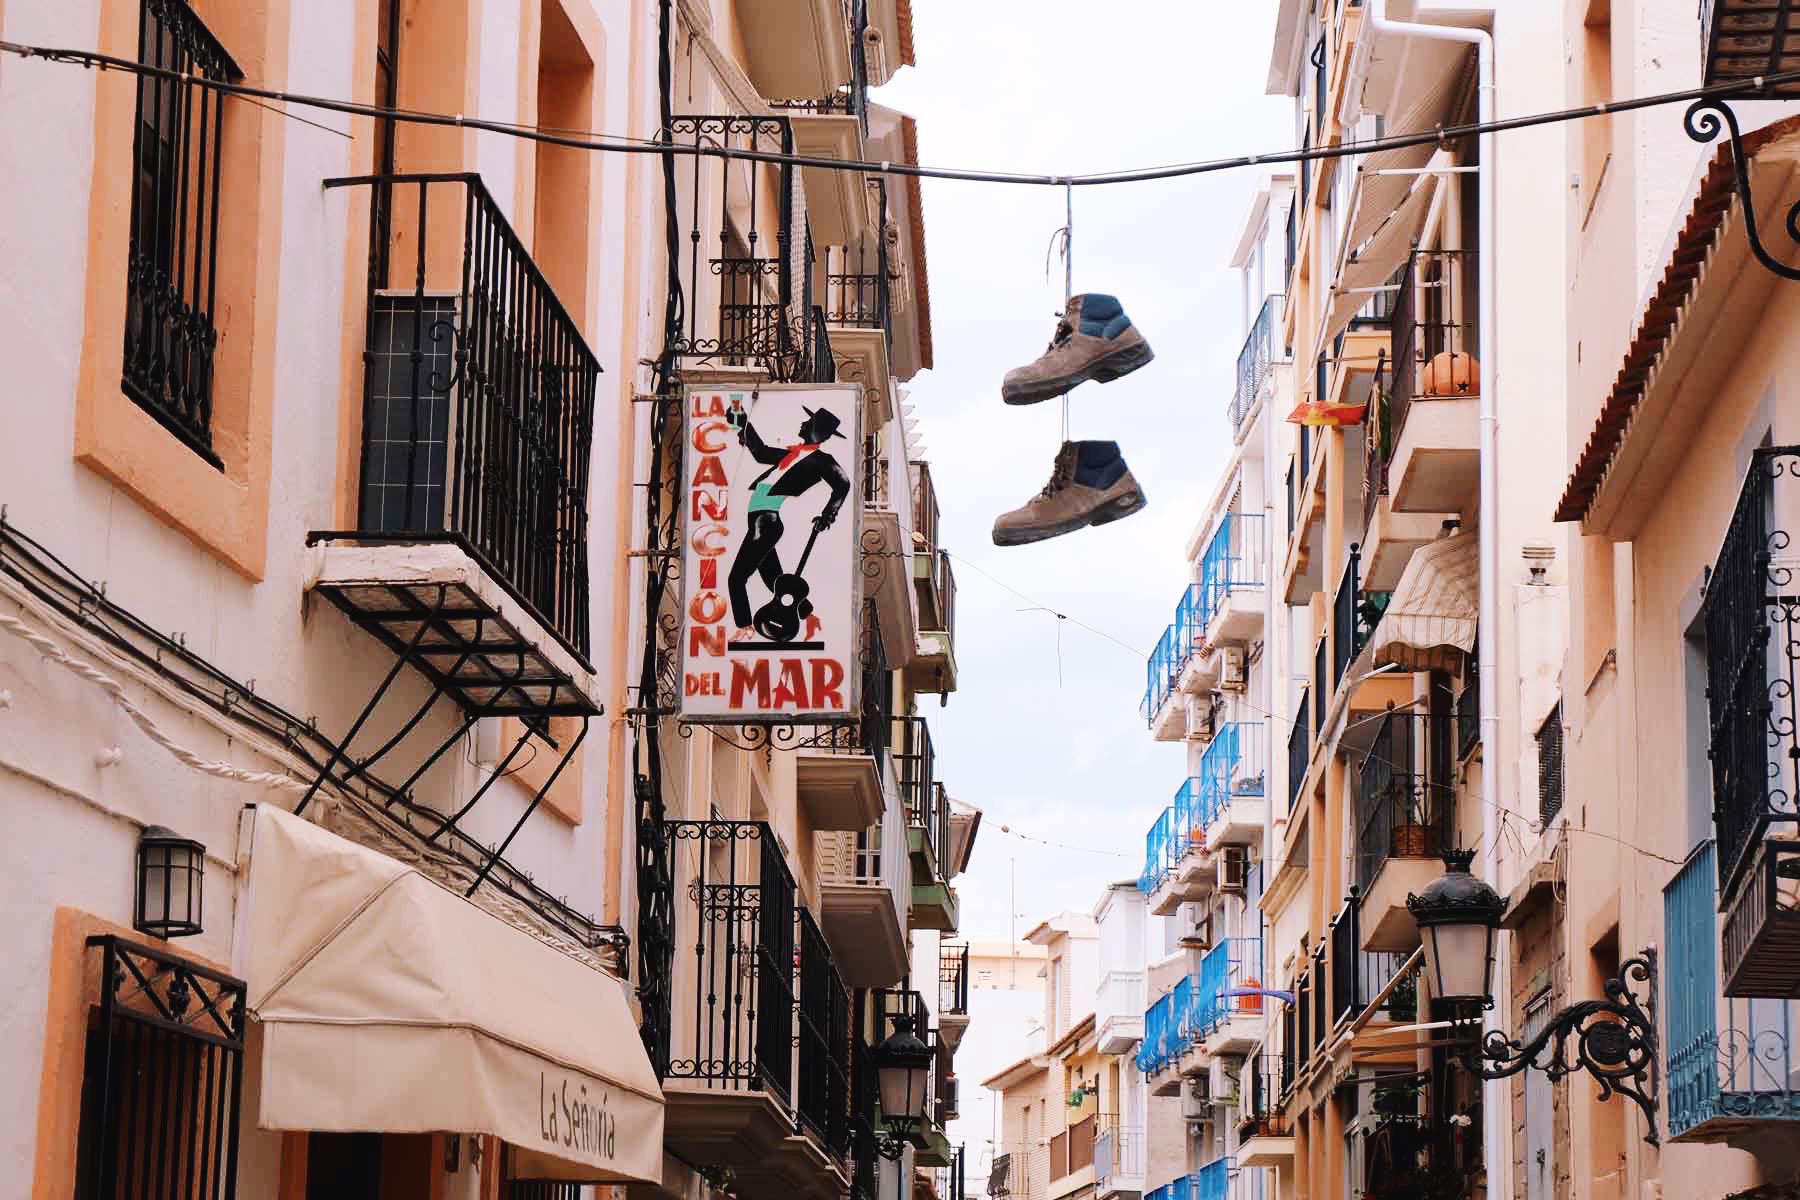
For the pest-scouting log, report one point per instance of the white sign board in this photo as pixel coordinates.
(772, 590)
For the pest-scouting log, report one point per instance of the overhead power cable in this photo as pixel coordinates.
(1742, 89)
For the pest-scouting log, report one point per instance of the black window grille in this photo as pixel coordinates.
(1550, 766)
(1753, 667)
(1468, 709)
(172, 265)
(163, 1078)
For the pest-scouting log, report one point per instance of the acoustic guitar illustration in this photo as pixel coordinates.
(779, 619)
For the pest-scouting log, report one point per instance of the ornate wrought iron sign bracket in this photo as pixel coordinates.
(1705, 119)
(1614, 1041)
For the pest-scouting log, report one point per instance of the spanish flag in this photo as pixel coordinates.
(1314, 412)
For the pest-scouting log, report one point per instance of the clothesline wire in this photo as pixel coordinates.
(1058, 613)
(1438, 135)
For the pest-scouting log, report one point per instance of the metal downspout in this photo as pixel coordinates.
(1494, 1100)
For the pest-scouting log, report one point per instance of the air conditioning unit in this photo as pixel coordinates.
(1234, 869)
(1201, 721)
(1232, 677)
(1196, 1100)
(1223, 1073)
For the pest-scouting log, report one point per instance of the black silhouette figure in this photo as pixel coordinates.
(792, 471)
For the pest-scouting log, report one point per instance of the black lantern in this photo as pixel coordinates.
(903, 1072)
(171, 874)
(1458, 916)
(1613, 1040)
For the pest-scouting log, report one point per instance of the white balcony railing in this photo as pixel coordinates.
(1121, 995)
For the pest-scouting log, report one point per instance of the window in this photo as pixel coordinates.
(1550, 766)
(1596, 88)
(161, 1080)
(172, 265)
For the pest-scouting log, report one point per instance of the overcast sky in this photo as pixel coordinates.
(1057, 86)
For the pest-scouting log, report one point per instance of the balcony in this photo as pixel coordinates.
(1166, 718)
(865, 889)
(469, 558)
(1745, 39)
(1359, 978)
(1175, 865)
(859, 310)
(1750, 654)
(1256, 366)
(1233, 576)
(1733, 1064)
(1299, 754)
(1265, 1137)
(928, 835)
(745, 266)
(1227, 1014)
(953, 992)
(758, 1079)
(1434, 400)
(1166, 1038)
(1196, 671)
(1389, 536)
(797, 47)
(835, 125)
(1072, 1158)
(1211, 1182)
(1233, 772)
(933, 669)
(838, 772)
(930, 1147)
(885, 538)
(1118, 1159)
(1119, 1010)
(1406, 819)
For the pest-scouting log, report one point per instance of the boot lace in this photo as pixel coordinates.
(1064, 331)
(1061, 476)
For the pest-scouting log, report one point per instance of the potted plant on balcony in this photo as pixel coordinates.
(1403, 1001)
(1411, 837)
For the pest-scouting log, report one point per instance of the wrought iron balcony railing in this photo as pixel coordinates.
(1346, 631)
(1436, 337)
(1406, 803)
(478, 398)
(824, 1027)
(872, 731)
(953, 978)
(927, 516)
(1255, 361)
(1299, 749)
(1468, 707)
(744, 264)
(736, 907)
(1358, 975)
(1263, 1086)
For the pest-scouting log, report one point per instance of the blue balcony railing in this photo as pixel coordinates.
(1191, 617)
(1749, 1070)
(1226, 968)
(1160, 673)
(1236, 559)
(1211, 1181)
(1159, 852)
(1190, 811)
(1165, 1035)
(1235, 764)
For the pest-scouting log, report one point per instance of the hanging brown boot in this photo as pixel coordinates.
(1090, 485)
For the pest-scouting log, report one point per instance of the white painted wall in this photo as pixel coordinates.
(83, 819)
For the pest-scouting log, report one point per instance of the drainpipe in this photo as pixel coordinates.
(1494, 1098)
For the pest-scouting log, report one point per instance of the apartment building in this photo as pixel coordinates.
(330, 588)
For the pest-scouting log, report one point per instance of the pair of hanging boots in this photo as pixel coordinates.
(1090, 483)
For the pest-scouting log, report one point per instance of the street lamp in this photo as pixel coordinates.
(902, 1070)
(1614, 1039)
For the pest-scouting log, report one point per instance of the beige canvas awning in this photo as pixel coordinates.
(1430, 619)
(389, 1004)
(1394, 187)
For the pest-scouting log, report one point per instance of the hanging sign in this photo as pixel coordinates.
(772, 592)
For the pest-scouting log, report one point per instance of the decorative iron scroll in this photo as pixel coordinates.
(1703, 122)
(1614, 1041)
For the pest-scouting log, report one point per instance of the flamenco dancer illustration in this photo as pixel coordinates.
(792, 470)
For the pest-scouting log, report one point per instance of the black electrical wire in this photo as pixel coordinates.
(1742, 89)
